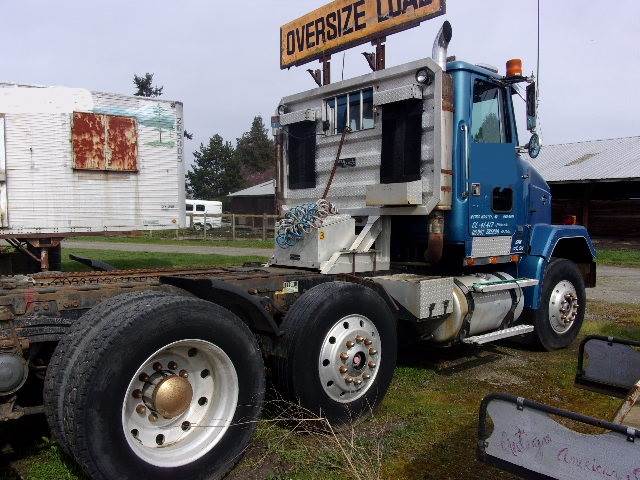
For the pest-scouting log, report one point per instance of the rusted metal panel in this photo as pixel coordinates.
(88, 137)
(104, 142)
(122, 144)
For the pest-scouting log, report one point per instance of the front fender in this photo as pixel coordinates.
(567, 241)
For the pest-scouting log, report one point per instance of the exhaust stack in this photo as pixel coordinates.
(441, 44)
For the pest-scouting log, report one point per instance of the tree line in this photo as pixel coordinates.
(221, 167)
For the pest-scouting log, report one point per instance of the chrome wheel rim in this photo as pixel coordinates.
(349, 358)
(180, 403)
(563, 307)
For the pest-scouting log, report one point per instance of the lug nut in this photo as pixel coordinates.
(157, 367)
(153, 418)
(350, 344)
(368, 342)
(144, 378)
(344, 356)
(348, 380)
(358, 382)
(359, 339)
(137, 394)
(373, 352)
(186, 426)
(372, 365)
(184, 374)
(141, 409)
(366, 376)
(343, 370)
(172, 366)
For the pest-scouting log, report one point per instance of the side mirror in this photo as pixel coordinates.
(534, 146)
(532, 107)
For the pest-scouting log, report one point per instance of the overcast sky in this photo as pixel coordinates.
(221, 58)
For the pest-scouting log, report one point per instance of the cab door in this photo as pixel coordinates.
(495, 180)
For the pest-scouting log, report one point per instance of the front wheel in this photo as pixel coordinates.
(340, 345)
(165, 387)
(561, 314)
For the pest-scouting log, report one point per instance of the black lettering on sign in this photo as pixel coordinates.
(395, 7)
(291, 42)
(300, 39)
(347, 28)
(409, 3)
(309, 35)
(359, 15)
(425, 3)
(332, 29)
(320, 35)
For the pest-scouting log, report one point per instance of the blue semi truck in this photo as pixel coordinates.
(409, 207)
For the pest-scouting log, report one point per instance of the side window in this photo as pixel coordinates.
(301, 155)
(401, 142)
(488, 115)
(200, 208)
(189, 207)
(354, 109)
(502, 200)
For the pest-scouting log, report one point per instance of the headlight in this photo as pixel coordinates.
(282, 109)
(424, 77)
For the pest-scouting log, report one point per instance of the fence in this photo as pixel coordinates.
(234, 226)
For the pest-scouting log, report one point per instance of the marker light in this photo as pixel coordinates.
(423, 76)
(570, 220)
(514, 68)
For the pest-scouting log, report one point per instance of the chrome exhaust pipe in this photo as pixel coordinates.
(441, 44)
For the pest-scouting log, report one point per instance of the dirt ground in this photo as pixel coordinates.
(619, 285)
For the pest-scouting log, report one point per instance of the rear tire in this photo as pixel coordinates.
(101, 398)
(330, 321)
(562, 307)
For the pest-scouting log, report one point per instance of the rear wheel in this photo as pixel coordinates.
(165, 388)
(341, 342)
(561, 314)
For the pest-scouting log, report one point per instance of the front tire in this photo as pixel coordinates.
(339, 351)
(561, 314)
(169, 387)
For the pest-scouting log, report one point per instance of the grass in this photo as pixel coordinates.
(621, 257)
(138, 260)
(425, 428)
(164, 240)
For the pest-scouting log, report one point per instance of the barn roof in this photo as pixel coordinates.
(598, 160)
(261, 190)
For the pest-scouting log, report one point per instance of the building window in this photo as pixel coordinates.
(354, 109)
(189, 207)
(488, 115)
(104, 142)
(301, 155)
(200, 208)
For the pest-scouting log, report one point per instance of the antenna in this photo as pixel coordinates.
(538, 66)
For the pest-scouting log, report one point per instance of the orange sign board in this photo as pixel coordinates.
(344, 24)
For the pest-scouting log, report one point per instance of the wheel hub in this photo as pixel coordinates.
(349, 358)
(564, 307)
(172, 396)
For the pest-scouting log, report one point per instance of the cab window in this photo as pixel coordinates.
(488, 123)
(200, 208)
(189, 207)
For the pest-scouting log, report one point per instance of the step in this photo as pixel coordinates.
(499, 335)
(504, 285)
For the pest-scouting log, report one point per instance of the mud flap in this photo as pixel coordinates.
(526, 439)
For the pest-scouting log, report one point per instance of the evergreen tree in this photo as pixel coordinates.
(215, 172)
(144, 86)
(255, 153)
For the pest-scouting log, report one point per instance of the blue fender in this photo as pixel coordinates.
(543, 243)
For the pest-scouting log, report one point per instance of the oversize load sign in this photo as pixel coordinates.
(343, 24)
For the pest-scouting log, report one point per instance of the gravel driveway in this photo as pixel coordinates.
(617, 285)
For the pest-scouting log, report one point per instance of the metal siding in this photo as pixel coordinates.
(348, 191)
(617, 158)
(46, 195)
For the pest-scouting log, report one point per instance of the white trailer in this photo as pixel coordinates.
(76, 162)
(204, 214)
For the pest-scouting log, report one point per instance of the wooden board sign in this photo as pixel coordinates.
(344, 24)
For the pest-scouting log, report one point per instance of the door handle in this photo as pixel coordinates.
(465, 131)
